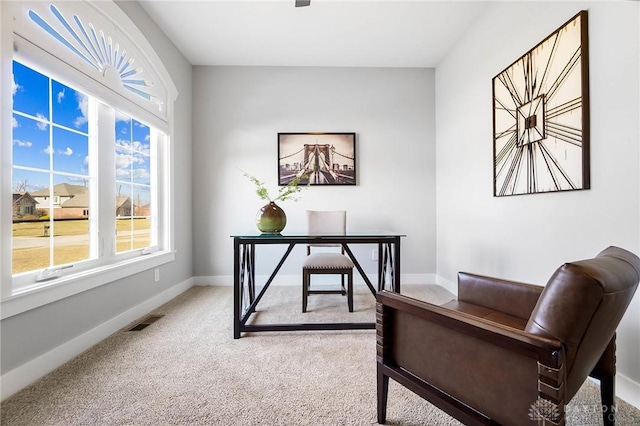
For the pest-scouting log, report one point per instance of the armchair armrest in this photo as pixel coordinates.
(447, 356)
(508, 337)
(511, 297)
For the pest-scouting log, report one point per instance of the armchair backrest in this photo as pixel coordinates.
(582, 305)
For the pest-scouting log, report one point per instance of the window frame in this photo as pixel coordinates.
(111, 267)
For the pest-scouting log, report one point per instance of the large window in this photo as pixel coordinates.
(89, 146)
(51, 180)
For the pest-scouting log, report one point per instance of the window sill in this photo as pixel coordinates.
(73, 284)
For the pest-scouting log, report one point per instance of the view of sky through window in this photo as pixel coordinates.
(38, 104)
(51, 179)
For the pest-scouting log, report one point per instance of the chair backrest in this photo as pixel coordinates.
(320, 222)
(582, 305)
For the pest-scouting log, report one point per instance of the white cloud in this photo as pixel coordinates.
(138, 160)
(47, 150)
(68, 152)
(122, 117)
(83, 106)
(123, 161)
(124, 164)
(123, 142)
(14, 87)
(40, 124)
(141, 174)
(21, 143)
(139, 146)
(123, 173)
(61, 95)
(14, 123)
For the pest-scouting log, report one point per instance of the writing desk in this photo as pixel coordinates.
(245, 298)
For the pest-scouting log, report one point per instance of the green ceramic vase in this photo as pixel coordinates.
(271, 219)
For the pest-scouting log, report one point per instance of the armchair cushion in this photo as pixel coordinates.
(502, 301)
(488, 314)
(511, 297)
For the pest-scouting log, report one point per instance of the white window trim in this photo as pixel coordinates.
(73, 284)
(27, 298)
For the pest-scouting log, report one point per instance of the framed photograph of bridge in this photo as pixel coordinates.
(321, 158)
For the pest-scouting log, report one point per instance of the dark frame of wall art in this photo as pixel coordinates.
(324, 158)
(541, 116)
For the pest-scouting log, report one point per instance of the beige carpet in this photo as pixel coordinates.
(186, 369)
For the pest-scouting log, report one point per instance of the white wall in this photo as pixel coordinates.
(527, 237)
(44, 338)
(238, 112)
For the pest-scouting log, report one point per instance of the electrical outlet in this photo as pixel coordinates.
(374, 254)
(156, 274)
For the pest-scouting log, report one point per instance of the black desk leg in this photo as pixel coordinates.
(389, 261)
(381, 274)
(244, 282)
(396, 265)
(237, 299)
(250, 257)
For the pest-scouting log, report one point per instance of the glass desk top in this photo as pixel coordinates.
(302, 235)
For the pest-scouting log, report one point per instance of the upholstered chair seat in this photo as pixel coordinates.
(327, 261)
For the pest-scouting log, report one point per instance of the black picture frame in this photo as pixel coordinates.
(541, 122)
(323, 158)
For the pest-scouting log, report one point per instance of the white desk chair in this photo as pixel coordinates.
(336, 263)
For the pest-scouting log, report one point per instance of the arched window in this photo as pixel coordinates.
(86, 138)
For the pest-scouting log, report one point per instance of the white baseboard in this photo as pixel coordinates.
(628, 390)
(296, 279)
(450, 286)
(22, 376)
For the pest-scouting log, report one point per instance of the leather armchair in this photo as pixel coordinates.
(506, 352)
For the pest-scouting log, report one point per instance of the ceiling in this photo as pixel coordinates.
(347, 33)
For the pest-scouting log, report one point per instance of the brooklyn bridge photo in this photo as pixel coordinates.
(324, 158)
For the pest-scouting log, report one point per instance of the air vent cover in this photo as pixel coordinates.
(146, 322)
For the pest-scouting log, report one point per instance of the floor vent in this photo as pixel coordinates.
(145, 322)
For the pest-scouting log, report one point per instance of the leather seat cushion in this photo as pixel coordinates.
(488, 314)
